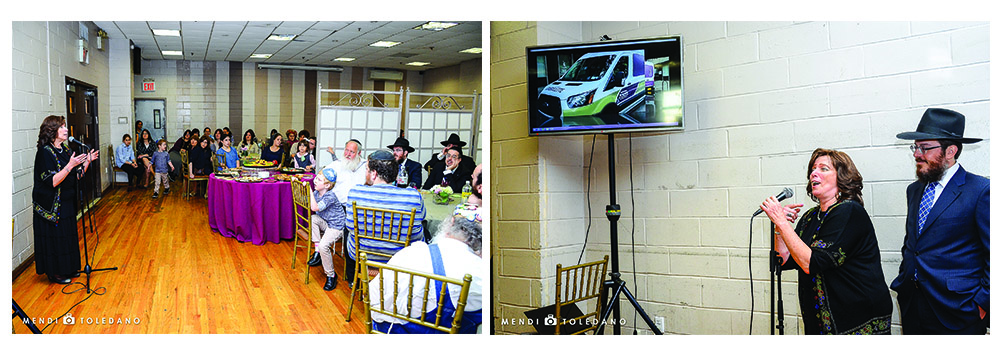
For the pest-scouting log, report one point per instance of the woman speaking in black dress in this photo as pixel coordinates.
(57, 248)
(841, 286)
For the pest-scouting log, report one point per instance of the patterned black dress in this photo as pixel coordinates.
(57, 245)
(845, 290)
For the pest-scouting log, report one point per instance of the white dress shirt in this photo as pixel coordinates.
(458, 260)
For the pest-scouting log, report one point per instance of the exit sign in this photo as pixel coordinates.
(148, 86)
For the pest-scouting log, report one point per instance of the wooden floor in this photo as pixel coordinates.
(177, 276)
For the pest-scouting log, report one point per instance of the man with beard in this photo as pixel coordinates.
(477, 186)
(350, 170)
(451, 172)
(401, 149)
(944, 280)
(453, 142)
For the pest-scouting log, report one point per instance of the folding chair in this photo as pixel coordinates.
(403, 282)
(380, 225)
(303, 221)
(580, 283)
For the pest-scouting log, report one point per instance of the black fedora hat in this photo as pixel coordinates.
(453, 140)
(939, 124)
(401, 142)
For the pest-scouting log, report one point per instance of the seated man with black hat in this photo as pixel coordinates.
(401, 149)
(453, 142)
(451, 173)
(944, 280)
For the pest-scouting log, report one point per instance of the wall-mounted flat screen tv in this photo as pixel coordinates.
(605, 87)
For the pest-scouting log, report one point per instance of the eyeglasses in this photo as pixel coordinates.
(922, 149)
(454, 156)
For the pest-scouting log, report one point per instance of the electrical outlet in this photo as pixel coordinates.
(659, 323)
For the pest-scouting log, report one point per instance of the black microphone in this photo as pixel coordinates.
(785, 193)
(74, 140)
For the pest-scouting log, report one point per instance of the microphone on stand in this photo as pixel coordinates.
(785, 193)
(74, 140)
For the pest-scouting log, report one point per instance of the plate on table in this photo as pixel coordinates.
(248, 179)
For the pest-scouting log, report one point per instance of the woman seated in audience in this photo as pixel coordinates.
(144, 149)
(228, 155)
(249, 144)
(216, 140)
(200, 159)
(303, 135)
(181, 142)
(195, 134)
(303, 159)
(274, 153)
(175, 153)
(226, 131)
(208, 132)
(291, 139)
(452, 253)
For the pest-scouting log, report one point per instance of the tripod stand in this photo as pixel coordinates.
(776, 262)
(613, 212)
(87, 213)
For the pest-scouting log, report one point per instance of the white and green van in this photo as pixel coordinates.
(598, 84)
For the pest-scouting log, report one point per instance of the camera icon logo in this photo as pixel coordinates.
(550, 320)
(69, 320)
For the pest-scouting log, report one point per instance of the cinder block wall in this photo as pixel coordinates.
(759, 97)
(44, 54)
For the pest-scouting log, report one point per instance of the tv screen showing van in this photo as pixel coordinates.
(604, 87)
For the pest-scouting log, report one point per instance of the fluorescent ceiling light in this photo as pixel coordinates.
(419, 64)
(384, 43)
(172, 53)
(288, 66)
(344, 59)
(473, 50)
(435, 26)
(166, 32)
(261, 55)
(282, 37)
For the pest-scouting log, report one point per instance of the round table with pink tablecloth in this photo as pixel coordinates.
(251, 212)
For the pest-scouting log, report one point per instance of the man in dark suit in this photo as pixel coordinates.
(401, 149)
(944, 280)
(453, 142)
(450, 172)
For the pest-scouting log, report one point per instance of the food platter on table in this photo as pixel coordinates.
(293, 170)
(259, 163)
(289, 177)
(249, 179)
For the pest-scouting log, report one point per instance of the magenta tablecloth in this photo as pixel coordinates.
(251, 212)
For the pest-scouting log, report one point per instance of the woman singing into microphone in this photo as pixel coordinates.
(57, 249)
(841, 286)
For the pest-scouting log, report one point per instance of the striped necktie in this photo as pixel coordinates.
(926, 203)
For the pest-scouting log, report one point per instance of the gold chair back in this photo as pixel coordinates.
(303, 221)
(403, 281)
(579, 284)
(383, 225)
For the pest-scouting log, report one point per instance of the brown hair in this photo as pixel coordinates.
(49, 130)
(849, 180)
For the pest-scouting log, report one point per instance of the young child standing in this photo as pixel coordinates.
(161, 164)
(327, 223)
